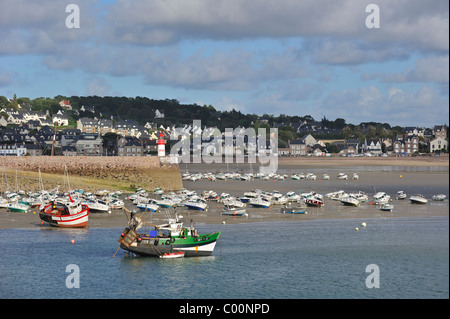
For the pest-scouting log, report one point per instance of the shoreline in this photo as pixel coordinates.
(398, 177)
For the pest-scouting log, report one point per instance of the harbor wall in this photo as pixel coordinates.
(124, 172)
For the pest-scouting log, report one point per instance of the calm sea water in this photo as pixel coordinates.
(281, 260)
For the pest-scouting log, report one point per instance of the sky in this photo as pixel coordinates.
(322, 58)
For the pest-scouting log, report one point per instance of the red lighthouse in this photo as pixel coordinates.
(161, 145)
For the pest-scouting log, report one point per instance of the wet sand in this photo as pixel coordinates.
(427, 178)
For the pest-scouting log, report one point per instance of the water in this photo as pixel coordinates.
(281, 260)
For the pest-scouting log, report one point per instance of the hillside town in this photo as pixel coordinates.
(82, 131)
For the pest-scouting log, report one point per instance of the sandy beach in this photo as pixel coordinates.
(427, 176)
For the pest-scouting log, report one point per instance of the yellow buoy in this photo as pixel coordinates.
(356, 228)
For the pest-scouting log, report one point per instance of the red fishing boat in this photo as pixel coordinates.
(72, 214)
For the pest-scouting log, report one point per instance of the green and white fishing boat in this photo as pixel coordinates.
(166, 238)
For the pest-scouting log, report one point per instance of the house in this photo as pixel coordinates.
(159, 114)
(440, 131)
(105, 126)
(32, 149)
(65, 104)
(88, 144)
(438, 144)
(87, 125)
(12, 150)
(129, 146)
(347, 148)
(62, 120)
(87, 109)
(372, 146)
(126, 127)
(297, 148)
(406, 144)
(309, 140)
(69, 150)
(411, 130)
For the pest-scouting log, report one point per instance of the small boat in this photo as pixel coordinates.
(401, 195)
(355, 176)
(17, 207)
(279, 199)
(387, 207)
(381, 198)
(295, 177)
(72, 215)
(350, 200)
(418, 199)
(325, 177)
(259, 202)
(150, 207)
(234, 211)
(315, 201)
(440, 197)
(342, 176)
(98, 206)
(177, 254)
(293, 210)
(196, 203)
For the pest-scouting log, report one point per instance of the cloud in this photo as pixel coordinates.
(98, 86)
(396, 106)
(427, 69)
(5, 79)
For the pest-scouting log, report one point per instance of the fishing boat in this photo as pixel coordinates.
(72, 215)
(165, 238)
(439, 197)
(381, 198)
(196, 203)
(418, 199)
(17, 207)
(293, 210)
(350, 200)
(401, 195)
(387, 207)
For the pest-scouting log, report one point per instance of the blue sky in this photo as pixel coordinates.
(287, 56)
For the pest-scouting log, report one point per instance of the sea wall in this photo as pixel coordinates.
(146, 172)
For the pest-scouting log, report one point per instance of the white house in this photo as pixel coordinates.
(438, 144)
(159, 114)
(60, 119)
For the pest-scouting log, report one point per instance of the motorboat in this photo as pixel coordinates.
(361, 196)
(316, 200)
(418, 199)
(311, 177)
(292, 196)
(342, 176)
(350, 200)
(234, 211)
(387, 207)
(279, 199)
(97, 205)
(325, 177)
(149, 207)
(295, 177)
(439, 197)
(260, 202)
(337, 195)
(401, 195)
(293, 210)
(355, 176)
(196, 203)
(381, 198)
(17, 207)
